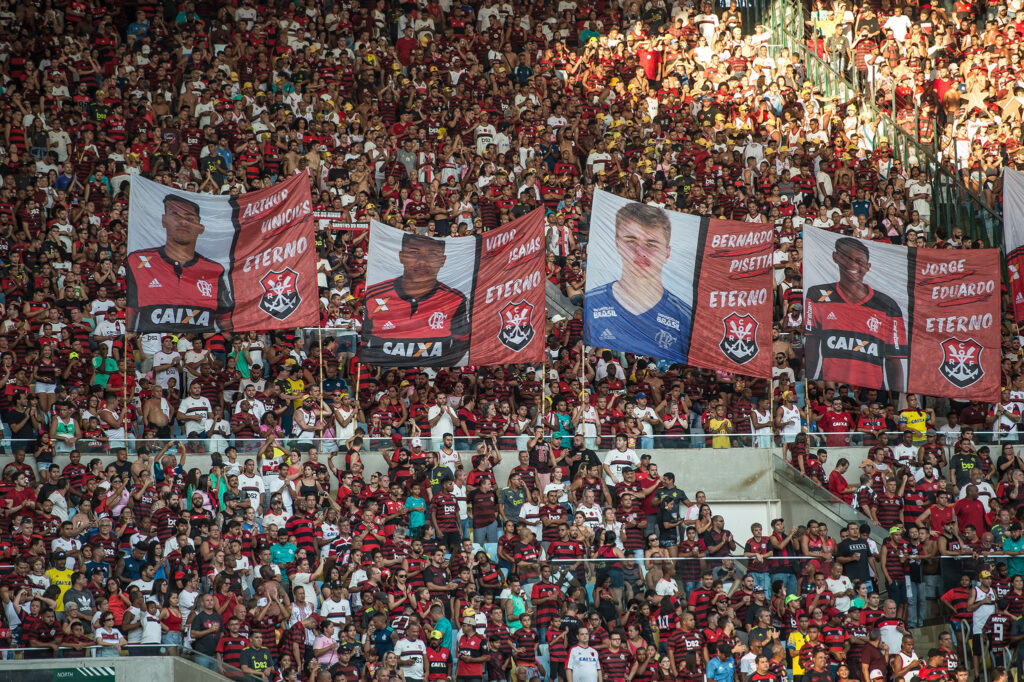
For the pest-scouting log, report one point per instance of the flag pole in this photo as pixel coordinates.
(543, 391)
(124, 384)
(320, 364)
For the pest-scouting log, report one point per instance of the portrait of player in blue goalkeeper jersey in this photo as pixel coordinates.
(636, 313)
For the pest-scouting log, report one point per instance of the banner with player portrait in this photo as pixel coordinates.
(890, 317)
(203, 263)
(1013, 237)
(476, 300)
(679, 287)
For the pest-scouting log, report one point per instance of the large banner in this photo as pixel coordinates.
(203, 263)
(476, 300)
(679, 287)
(896, 318)
(1013, 237)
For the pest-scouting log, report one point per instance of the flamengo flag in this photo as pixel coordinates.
(891, 317)
(679, 287)
(476, 300)
(1013, 237)
(203, 263)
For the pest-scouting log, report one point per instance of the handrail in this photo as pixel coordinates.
(954, 203)
(17, 653)
(247, 448)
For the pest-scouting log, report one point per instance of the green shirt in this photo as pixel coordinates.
(283, 554)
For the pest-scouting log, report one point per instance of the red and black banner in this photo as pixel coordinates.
(904, 319)
(201, 263)
(476, 300)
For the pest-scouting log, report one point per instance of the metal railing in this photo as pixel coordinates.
(954, 203)
(696, 439)
(99, 653)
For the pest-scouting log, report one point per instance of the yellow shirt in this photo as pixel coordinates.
(796, 643)
(296, 387)
(916, 421)
(719, 440)
(61, 579)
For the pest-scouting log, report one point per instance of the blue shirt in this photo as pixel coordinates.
(661, 332)
(721, 671)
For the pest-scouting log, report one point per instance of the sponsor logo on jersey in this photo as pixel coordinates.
(144, 262)
(604, 311)
(516, 330)
(831, 316)
(852, 343)
(430, 349)
(667, 321)
(739, 338)
(180, 315)
(961, 362)
(280, 293)
(155, 284)
(381, 304)
(607, 335)
(388, 325)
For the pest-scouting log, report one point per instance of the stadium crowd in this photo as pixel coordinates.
(284, 556)
(950, 72)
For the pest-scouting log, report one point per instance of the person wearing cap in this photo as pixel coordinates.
(471, 650)
(855, 334)
(438, 657)
(1013, 544)
(981, 603)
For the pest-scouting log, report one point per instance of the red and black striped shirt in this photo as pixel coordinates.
(230, 649)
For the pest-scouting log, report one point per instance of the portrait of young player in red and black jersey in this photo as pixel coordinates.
(172, 288)
(856, 334)
(415, 320)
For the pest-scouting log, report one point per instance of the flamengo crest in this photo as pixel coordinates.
(961, 362)
(516, 329)
(739, 340)
(280, 293)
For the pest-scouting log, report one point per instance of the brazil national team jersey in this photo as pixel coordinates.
(855, 337)
(661, 332)
(170, 297)
(432, 330)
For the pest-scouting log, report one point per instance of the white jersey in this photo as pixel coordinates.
(584, 664)
(790, 413)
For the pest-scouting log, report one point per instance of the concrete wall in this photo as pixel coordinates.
(126, 669)
(738, 482)
(733, 474)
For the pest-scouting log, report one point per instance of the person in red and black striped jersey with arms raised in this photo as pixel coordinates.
(856, 334)
(414, 318)
(173, 289)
